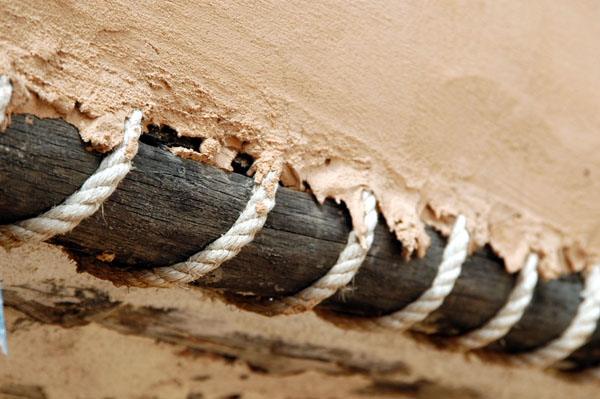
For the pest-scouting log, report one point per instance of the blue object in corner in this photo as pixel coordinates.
(2, 329)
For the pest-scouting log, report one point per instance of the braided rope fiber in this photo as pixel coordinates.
(5, 93)
(510, 314)
(84, 202)
(455, 253)
(340, 275)
(242, 232)
(576, 334)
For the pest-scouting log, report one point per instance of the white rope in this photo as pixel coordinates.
(5, 93)
(576, 334)
(344, 270)
(84, 202)
(242, 232)
(510, 314)
(453, 257)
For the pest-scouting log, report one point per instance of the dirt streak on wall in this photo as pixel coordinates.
(74, 336)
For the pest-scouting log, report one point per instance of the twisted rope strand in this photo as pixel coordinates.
(576, 334)
(242, 232)
(453, 257)
(344, 270)
(84, 202)
(5, 93)
(510, 314)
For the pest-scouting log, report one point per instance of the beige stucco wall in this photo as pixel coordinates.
(484, 108)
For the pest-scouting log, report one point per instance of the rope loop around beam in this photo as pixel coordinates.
(84, 202)
(247, 225)
(5, 94)
(454, 255)
(576, 334)
(340, 274)
(509, 315)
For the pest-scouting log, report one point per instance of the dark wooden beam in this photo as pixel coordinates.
(168, 208)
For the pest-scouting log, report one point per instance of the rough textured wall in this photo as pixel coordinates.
(483, 108)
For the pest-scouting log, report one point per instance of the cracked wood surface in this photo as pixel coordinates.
(168, 208)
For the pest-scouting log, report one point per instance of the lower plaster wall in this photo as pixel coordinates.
(77, 337)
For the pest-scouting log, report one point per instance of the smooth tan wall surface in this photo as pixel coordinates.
(484, 108)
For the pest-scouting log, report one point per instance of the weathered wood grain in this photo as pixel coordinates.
(168, 208)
